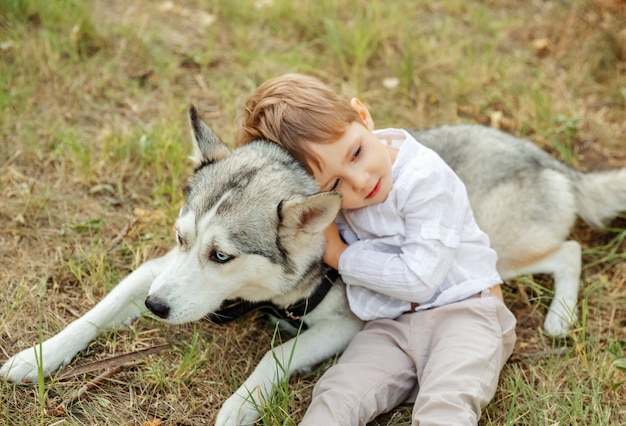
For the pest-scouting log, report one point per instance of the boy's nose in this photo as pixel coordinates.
(359, 181)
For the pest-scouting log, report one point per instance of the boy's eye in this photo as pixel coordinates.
(357, 152)
(334, 185)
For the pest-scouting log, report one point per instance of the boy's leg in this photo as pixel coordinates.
(470, 343)
(373, 375)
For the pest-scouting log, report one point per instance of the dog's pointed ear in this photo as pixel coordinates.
(207, 147)
(311, 214)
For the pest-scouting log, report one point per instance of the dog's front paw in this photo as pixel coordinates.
(237, 411)
(23, 367)
(48, 357)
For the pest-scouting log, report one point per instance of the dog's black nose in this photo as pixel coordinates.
(157, 306)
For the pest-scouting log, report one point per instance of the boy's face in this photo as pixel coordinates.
(358, 165)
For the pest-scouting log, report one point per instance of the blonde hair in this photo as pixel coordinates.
(293, 110)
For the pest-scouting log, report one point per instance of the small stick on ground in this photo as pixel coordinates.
(82, 391)
(110, 365)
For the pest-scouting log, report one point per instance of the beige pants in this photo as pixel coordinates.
(447, 360)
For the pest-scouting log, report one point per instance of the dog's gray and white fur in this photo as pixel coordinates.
(252, 228)
(527, 202)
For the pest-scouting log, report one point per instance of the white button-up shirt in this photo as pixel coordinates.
(420, 245)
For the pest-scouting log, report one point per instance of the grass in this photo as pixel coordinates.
(93, 159)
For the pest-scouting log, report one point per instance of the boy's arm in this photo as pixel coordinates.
(434, 211)
(334, 246)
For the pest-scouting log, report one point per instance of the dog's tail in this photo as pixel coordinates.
(600, 196)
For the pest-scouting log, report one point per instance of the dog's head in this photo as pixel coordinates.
(251, 228)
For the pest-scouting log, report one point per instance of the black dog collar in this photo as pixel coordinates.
(292, 314)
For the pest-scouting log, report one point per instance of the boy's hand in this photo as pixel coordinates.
(334, 246)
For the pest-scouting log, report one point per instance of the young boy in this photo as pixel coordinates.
(416, 266)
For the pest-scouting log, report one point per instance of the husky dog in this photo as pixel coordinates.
(252, 226)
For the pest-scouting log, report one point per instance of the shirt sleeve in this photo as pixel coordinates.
(433, 203)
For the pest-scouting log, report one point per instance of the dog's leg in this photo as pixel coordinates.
(565, 266)
(301, 353)
(124, 303)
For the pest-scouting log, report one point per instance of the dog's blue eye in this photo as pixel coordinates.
(219, 257)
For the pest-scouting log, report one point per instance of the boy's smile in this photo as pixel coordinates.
(358, 165)
(375, 190)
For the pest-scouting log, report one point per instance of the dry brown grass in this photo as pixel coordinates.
(93, 158)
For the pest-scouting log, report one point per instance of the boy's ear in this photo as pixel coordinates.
(363, 113)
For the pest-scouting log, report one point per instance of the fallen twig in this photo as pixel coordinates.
(110, 365)
(113, 362)
(83, 390)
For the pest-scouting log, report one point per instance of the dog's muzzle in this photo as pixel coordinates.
(157, 307)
